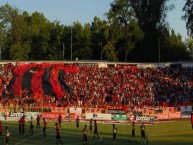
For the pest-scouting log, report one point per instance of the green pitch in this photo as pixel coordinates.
(167, 133)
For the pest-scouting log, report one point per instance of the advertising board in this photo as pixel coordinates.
(98, 116)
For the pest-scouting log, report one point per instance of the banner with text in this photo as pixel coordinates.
(169, 115)
(52, 115)
(98, 116)
(116, 111)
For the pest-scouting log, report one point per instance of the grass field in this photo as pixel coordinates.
(167, 133)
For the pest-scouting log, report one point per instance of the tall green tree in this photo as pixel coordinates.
(19, 41)
(81, 41)
(7, 15)
(99, 35)
(151, 16)
(189, 45)
(124, 27)
(174, 49)
(188, 16)
(40, 36)
(55, 43)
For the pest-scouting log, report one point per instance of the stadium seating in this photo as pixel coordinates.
(111, 86)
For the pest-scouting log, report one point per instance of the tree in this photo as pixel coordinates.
(174, 48)
(7, 15)
(124, 26)
(56, 42)
(40, 36)
(151, 15)
(189, 45)
(99, 33)
(188, 16)
(20, 44)
(81, 36)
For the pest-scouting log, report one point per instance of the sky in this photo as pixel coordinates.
(84, 11)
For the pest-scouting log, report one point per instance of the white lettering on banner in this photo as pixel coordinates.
(52, 115)
(18, 114)
(143, 118)
(175, 115)
(98, 116)
(76, 110)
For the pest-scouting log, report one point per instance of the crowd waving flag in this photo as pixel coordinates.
(41, 79)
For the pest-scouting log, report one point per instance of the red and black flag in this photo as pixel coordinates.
(41, 79)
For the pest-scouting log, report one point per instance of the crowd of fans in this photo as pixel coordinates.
(121, 85)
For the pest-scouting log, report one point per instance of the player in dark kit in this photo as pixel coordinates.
(77, 122)
(23, 125)
(114, 133)
(7, 135)
(20, 125)
(38, 122)
(85, 137)
(1, 132)
(95, 129)
(60, 120)
(31, 127)
(58, 139)
(142, 128)
(133, 130)
(90, 128)
(192, 119)
(44, 129)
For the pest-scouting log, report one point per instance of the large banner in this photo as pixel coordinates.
(98, 116)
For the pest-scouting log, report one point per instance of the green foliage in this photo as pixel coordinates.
(25, 36)
(122, 20)
(174, 48)
(99, 35)
(81, 36)
(20, 51)
(188, 16)
(151, 16)
(110, 53)
(189, 45)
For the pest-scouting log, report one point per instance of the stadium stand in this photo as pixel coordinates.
(113, 85)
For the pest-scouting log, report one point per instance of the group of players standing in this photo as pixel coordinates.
(85, 130)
